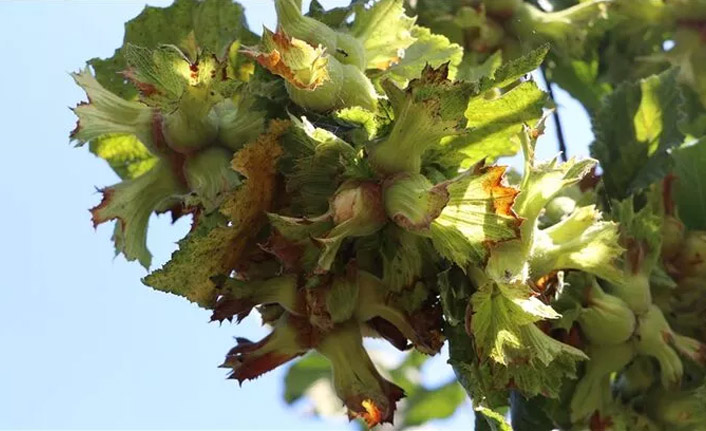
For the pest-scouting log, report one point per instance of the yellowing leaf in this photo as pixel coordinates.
(301, 64)
(124, 153)
(648, 118)
(220, 241)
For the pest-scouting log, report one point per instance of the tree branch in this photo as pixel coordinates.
(557, 119)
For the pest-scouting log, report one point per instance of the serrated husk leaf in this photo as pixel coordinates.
(478, 214)
(131, 203)
(430, 108)
(412, 201)
(302, 65)
(191, 25)
(249, 360)
(107, 114)
(364, 391)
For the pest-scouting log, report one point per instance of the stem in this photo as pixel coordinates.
(557, 118)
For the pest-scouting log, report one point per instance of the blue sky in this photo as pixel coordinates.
(84, 343)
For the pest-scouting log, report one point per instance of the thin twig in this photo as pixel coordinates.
(557, 119)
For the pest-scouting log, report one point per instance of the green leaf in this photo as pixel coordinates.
(428, 48)
(634, 128)
(693, 124)
(502, 321)
(690, 196)
(495, 124)
(487, 383)
(429, 404)
(217, 23)
(304, 373)
(496, 119)
(124, 153)
(209, 25)
(538, 379)
(470, 70)
(514, 69)
(384, 30)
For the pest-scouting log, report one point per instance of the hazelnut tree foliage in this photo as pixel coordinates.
(340, 172)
